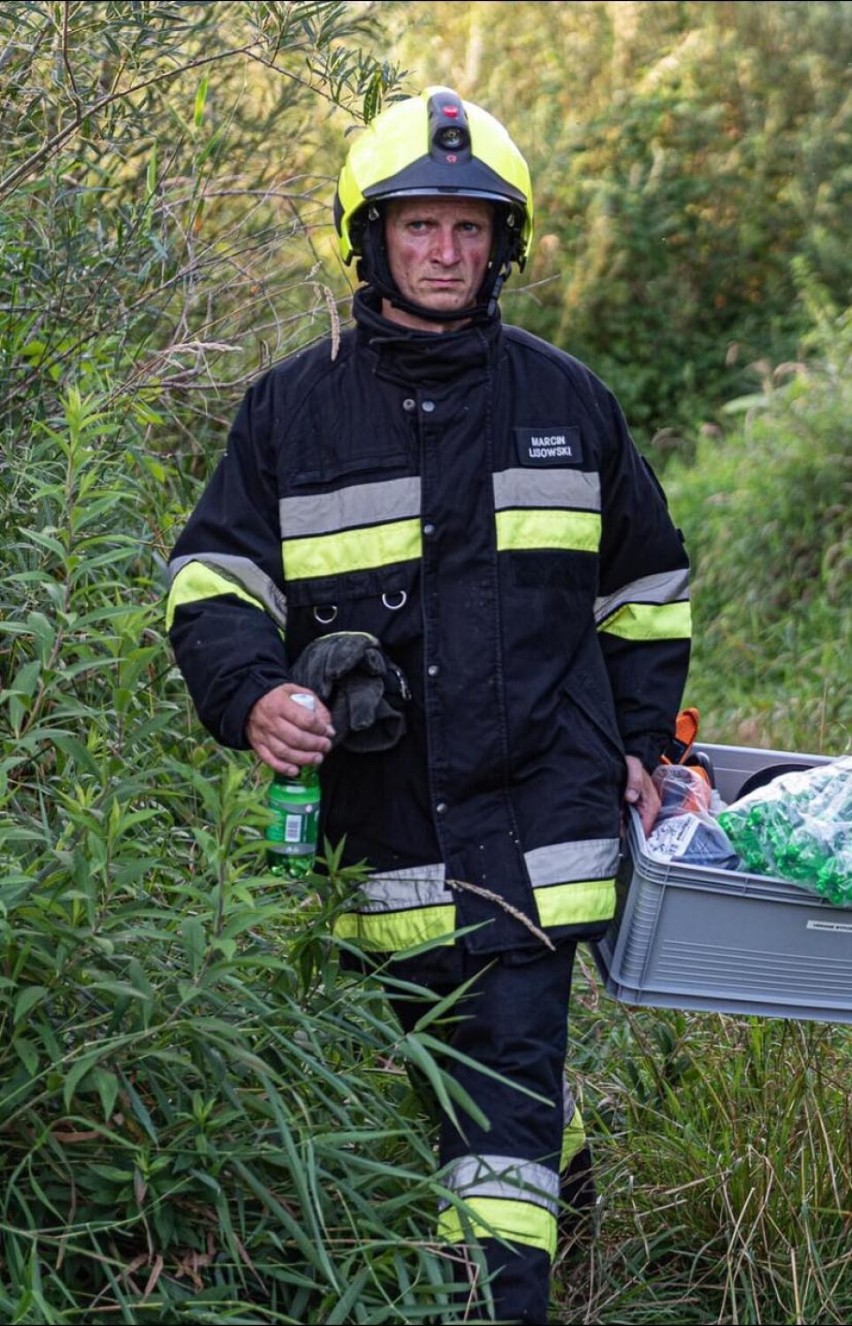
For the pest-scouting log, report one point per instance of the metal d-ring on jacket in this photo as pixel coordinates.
(473, 499)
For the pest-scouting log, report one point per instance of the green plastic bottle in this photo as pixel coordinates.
(291, 838)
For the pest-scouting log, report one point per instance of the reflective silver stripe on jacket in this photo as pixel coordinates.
(563, 863)
(503, 1177)
(349, 508)
(243, 573)
(425, 886)
(400, 890)
(547, 488)
(666, 587)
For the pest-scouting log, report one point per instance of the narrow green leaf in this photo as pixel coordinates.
(106, 1085)
(78, 1070)
(27, 1053)
(137, 1106)
(29, 999)
(151, 172)
(201, 100)
(194, 943)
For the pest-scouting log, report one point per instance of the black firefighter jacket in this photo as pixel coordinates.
(474, 500)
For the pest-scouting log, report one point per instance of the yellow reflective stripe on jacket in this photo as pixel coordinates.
(650, 621)
(574, 882)
(651, 608)
(391, 932)
(195, 581)
(351, 550)
(494, 1217)
(401, 908)
(577, 903)
(355, 528)
(571, 531)
(551, 507)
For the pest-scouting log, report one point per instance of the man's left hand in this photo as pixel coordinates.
(641, 792)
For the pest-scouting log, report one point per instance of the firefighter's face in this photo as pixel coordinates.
(438, 250)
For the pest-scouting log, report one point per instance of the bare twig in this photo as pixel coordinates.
(66, 60)
(47, 150)
(507, 907)
(334, 316)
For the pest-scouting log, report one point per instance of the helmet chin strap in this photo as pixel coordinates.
(373, 268)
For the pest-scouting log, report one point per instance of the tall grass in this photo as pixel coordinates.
(724, 1152)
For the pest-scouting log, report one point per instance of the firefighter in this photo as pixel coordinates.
(469, 496)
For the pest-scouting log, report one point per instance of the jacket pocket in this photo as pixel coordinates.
(382, 602)
(334, 468)
(391, 583)
(589, 694)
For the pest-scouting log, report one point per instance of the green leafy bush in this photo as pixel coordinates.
(198, 1113)
(201, 1119)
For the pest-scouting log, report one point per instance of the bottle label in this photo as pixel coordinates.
(291, 838)
(293, 829)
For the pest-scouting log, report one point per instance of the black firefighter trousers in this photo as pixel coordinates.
(513, 1021)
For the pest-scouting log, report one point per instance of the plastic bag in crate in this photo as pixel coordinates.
(799, 827)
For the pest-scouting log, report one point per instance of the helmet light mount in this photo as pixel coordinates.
(449, 131)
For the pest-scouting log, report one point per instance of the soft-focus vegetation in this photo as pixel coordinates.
(202, 1118)
(769, 523)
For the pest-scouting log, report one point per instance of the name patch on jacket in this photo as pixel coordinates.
(549, 446)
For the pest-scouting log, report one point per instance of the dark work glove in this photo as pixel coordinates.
(363, 689)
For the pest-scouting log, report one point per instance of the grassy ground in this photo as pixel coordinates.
(724, 1168)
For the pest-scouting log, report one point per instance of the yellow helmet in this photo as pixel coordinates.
(434, 144)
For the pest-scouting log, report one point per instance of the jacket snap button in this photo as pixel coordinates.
(409, 404)
(433, 669)
(428, 529)
(441, 807)
(428, 406)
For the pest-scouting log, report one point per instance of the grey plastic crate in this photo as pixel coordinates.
(726, 941)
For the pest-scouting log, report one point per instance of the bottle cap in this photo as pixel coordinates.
(306, 701)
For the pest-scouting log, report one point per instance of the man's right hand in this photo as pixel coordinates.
(286, 735)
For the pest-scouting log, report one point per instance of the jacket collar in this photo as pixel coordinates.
(418, 356)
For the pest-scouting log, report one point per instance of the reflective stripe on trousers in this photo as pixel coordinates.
(573, 1130)
(502, 1197)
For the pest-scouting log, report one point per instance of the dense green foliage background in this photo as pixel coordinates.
(202, 1119)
